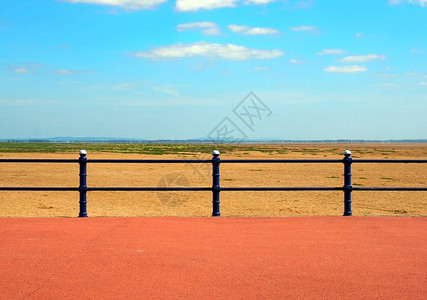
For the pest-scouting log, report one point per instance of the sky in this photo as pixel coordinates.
(237, 69)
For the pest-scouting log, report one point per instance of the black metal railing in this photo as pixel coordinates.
(347, 188)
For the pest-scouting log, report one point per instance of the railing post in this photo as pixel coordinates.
(215, 183)
(83, 186)
(347, 183)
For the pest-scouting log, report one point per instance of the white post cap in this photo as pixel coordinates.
(215, 152)
(347, 152)
(82, 152)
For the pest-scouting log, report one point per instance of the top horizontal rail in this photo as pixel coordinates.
(168, 161)
(322, 161)
(39, 160)
(105, 161)
(389, 161)
(160, 161)
(281, 161)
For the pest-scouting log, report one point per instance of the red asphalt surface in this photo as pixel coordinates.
(207, 258)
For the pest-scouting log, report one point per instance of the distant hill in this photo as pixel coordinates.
(193, 141)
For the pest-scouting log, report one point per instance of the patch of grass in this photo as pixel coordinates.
(257, 170)
(363, 178)
(153, 149)
(358, 151)
(282, 152)
(264, 150)
(357, 184)
(312, 151)
(387, 151)
(388, 178)
(333, 177)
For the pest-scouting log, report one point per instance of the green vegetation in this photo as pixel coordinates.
(388, 178)
(179, 149)
(154, 149)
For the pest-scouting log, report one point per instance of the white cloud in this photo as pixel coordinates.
(418, 2)
(238, 28)
(261, 68)
(70, 72)
(65, 71)
(358, 35)
(330, 51)
(210, 50)
(168, 90)
(126, 4)
(414, 74)
(296, 61)
(345, 69)
(303, 28)
(411, 74)
(208, 28)
(21, 70)
(423, 83)
(362, 58)
(242, 29)
(194, 5)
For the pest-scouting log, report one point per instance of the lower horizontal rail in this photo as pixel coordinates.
(277, 161)
(281, 188)
(388, 189)
(127, 189)
(391, 161)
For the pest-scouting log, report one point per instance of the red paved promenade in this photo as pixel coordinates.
(207, 258)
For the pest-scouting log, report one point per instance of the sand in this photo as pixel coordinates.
(261, 203)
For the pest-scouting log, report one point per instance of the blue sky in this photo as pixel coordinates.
(159, 69)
